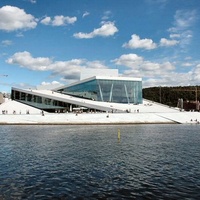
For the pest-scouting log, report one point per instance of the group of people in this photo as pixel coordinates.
(5, 112)
(194, 121)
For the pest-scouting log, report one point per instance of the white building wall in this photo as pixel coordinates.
(89, 72)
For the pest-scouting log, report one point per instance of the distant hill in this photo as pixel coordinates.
(170, 95)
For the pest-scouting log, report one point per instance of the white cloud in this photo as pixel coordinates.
(95, 64)
(107, 29)
(186, 37)
(169, 79)
(183, 22)
(184, 19)
(49, 85)
(186, 64)
(13, 18)
(134, 65)
(174, 35)
(165, 42)
(61, 20)
(46, 20)
(148, 69)
(20, 34)
(129, 60)
(67, 69)
(33, 1)
(167, 66)
(106, 15)
(58, 20)
(188, 58)
(138, 67)
(24, 59)
(195, 73)
(85, 14)
(6, 42)
(136, 43)
(157, 73)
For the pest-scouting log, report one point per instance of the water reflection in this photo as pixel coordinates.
(88, 162)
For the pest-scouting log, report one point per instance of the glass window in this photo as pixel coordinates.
(119, 91)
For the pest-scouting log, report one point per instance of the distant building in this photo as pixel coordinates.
(191, 105)
(107, 88)
(2, 100)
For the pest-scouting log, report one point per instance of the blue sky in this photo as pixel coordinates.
(47, 42)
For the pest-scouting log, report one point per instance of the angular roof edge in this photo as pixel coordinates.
(99, 77)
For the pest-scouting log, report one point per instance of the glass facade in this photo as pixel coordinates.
(118, 91)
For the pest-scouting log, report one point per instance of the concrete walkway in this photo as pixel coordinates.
(148, 112)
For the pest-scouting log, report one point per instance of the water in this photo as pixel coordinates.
(88, 162)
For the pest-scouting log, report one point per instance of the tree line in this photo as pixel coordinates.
(170, 95)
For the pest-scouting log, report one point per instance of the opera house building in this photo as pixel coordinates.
(95, 88)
